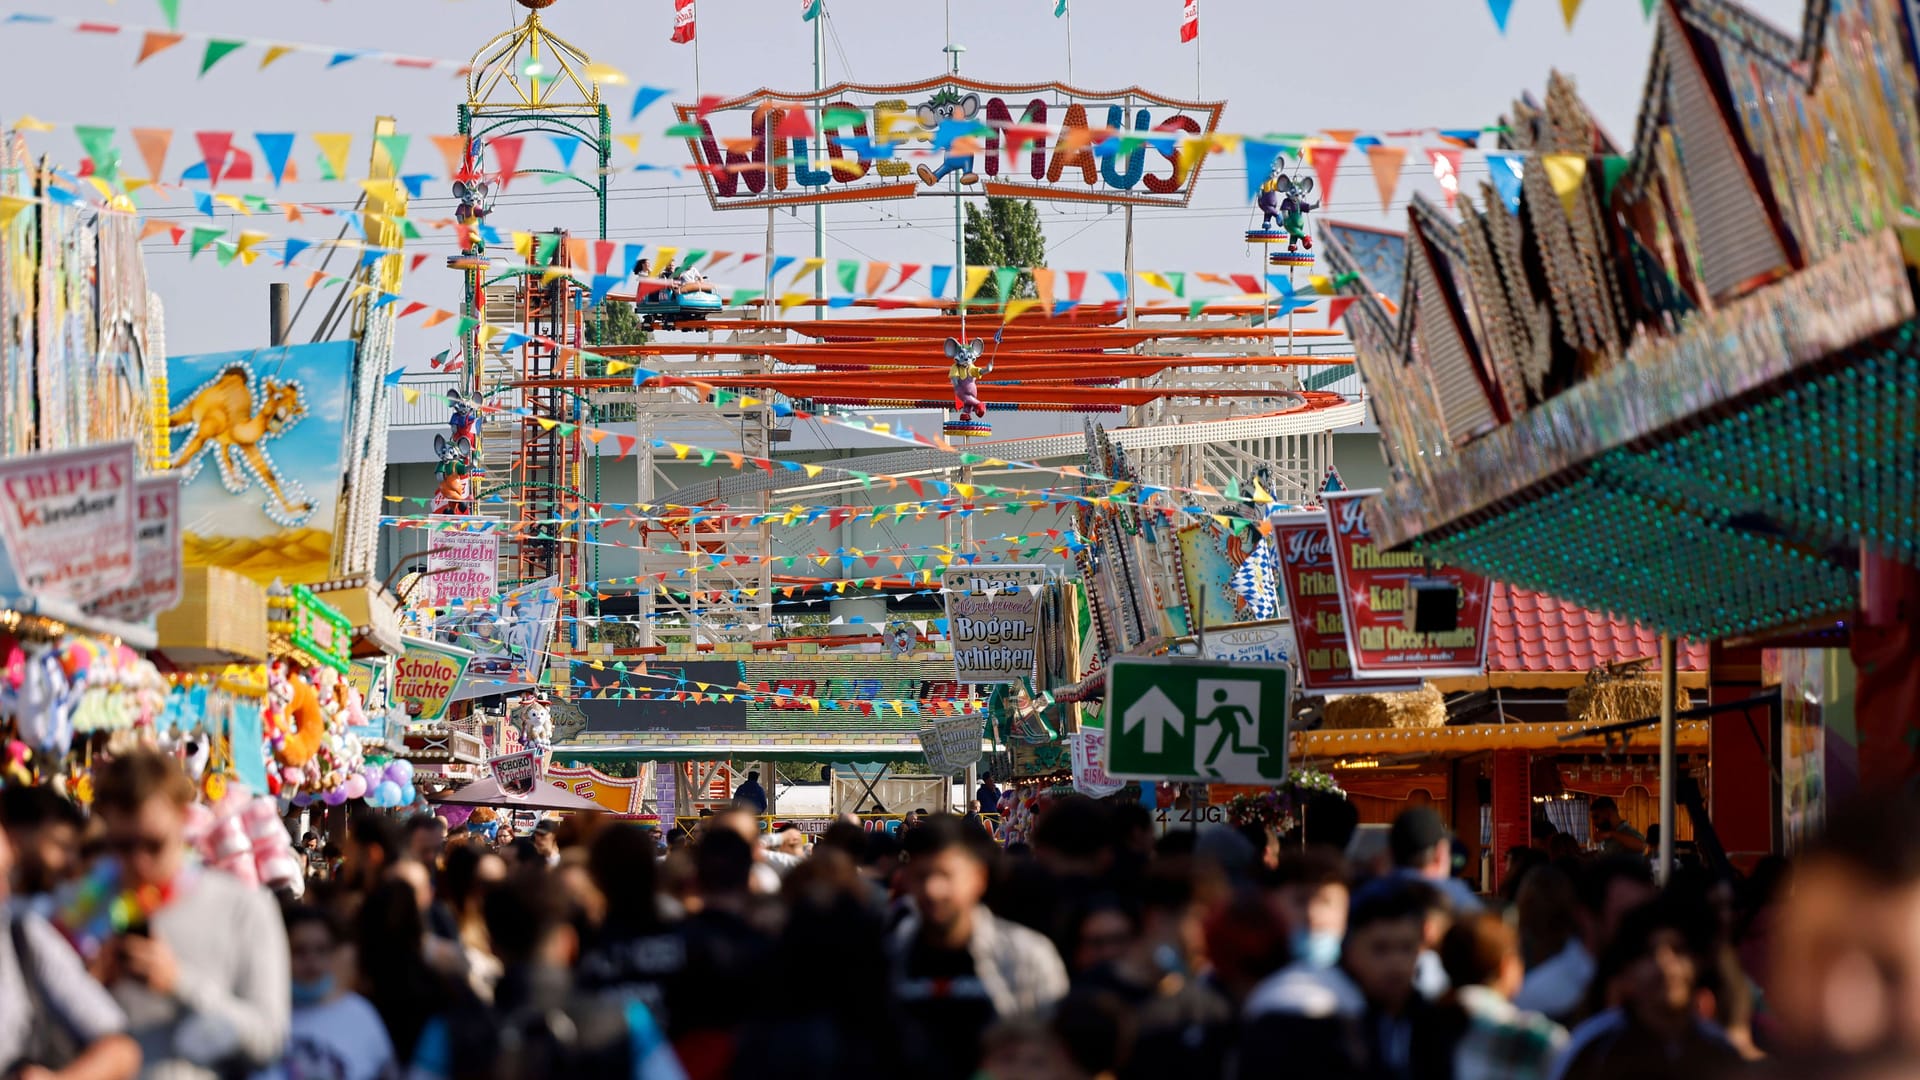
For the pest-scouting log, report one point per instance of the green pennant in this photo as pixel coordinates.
(408, 229)
(1195, 307)
(1612, 168)
(224, 250)
(1233, 488)
(98, 143)
(543, 251)
(467, 325)
(968, 457)
(217, 50)
(1646, 9)
(1003, 277)
(259, 204)
(1178, 279)
(706, 458)
(843, 115)
(742, 296)
(847, 271)
(396, 147)
(866, 479)
(566, 430)
(692, 258)
(170, 11)
(919, 562)
(202, 236)
(684, 131)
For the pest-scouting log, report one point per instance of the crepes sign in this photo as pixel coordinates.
(69, 520)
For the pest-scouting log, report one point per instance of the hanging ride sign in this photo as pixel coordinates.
(1176, 719)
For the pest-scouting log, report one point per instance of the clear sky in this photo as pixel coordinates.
(1281, 66)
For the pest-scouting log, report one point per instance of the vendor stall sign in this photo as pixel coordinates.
(993, 619)
(1024, 140)
(1269, 642)
(426, 675)
(462, 567)
(318, 630)
(1313, 601)
(509, 646)
(951, 745)
(517, 772)
(1090, 776)
(1374, 591)
(68, 522)
(158, 575)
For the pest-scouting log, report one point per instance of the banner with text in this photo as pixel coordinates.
(1313, 601)
(462, 566)
(993, 619)
(68, 522)
(158, 579)
(426, 675)
(1374, 591)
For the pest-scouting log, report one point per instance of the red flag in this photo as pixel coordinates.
(682, 21)
(1190, 20)
(1337, 306)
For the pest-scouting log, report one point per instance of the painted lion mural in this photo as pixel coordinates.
(230, 417)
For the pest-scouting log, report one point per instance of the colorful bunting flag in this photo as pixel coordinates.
(156, 42)
(1385, 161)
(217, 50)
(1501, 9)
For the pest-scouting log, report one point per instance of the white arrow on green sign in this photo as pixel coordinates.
(1176, 719)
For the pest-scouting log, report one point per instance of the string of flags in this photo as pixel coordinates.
(1569, 11)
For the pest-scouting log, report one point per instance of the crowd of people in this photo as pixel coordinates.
(1103, 948)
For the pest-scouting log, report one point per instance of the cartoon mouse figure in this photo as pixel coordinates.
(965, 373)
(454, 493)
(466, 415)
(1284, 200)
(943, 107)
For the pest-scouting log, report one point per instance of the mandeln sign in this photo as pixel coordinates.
(463, 566)
(852, 143)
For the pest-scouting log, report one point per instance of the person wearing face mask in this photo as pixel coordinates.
(1308, 890)
(335, 1033)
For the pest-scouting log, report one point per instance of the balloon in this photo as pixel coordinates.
(355, 787)
(387, 794)
(400, 771)
(301, 798)
(335, 796)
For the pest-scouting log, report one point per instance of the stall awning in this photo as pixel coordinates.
(544, 796)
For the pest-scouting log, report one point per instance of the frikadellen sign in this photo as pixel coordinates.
(1374, 590)
(1023, 140)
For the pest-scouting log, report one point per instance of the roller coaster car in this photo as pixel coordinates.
(692, 301)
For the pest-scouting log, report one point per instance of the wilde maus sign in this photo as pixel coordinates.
(1025, 140)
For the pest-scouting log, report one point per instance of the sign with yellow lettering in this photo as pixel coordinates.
(1374, 592)
(425, 676)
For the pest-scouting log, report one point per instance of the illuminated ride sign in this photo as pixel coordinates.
(1031, 141)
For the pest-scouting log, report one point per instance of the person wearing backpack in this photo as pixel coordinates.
(539, 1025)
(55, 1020)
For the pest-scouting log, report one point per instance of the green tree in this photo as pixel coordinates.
(1007, 233)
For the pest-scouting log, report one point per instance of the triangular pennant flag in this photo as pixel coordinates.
(396, 147)
(1505, 169)
(1325, 160)
(1569, 9)
(153, 143)
(1003, 278)
(847, 272)
(274, 149)
(214, 148)
(274, 52)
(506, 157)
(1385, 161)
(1259, 157)
(334, 148)
(453, 150)
(876, 273)
(976, 277)
(1337, 307)
(1501, 9)
(98, 143)
(170, 11)
(217, 50)
(1565, 172)
(1446, 171)
(156, 42)
(566, 146)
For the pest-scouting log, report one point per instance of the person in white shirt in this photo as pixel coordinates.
(1608, 889)
(336, 1034)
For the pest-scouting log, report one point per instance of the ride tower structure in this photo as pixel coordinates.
(541, 479)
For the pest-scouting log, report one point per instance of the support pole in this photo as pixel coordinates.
(279, 318)
(820, 138)
(1668, 676)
